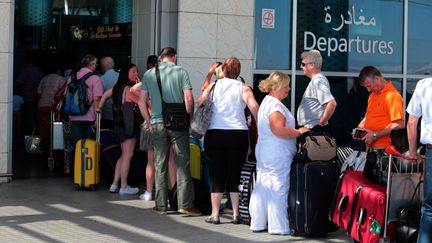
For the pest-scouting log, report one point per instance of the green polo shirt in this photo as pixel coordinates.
(174, 79)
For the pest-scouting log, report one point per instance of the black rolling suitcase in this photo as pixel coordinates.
(109, 158)
(247, 181)
(312, 186)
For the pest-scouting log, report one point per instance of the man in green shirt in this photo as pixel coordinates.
(176, 88)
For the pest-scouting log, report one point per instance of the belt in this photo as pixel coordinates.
(429, 146)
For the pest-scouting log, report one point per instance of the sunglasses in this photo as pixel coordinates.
(304, 64)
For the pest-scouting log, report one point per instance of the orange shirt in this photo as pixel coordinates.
(383, 108)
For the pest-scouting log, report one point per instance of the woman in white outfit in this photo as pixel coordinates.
(274, 153)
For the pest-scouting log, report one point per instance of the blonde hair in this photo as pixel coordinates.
(219, 73)
(276, 79)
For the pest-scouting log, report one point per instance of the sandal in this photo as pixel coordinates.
(212, 220)
(236, 220)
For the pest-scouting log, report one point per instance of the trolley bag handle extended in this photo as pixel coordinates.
(88, 163)
(98, 127)
(175, 116)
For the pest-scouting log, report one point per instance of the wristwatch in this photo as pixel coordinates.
(374, 135)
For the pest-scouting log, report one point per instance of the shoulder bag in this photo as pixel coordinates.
(174, 115)
(33, 143)
(132, 118)
(316, 145)
(201, 118)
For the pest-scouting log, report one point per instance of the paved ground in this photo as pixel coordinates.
(49, 210)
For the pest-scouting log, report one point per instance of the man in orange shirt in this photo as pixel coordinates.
(385, 108)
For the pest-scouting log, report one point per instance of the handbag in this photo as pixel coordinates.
(316, 145)
(132, 118)
(356, 161)
(146, 138)
(33, 143)
(131, 115)
(201, 118)
(409, 220)
(174, 115)
(373, 168)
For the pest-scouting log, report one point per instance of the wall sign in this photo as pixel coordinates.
(101, 32)
(364, 30)
(267, 18)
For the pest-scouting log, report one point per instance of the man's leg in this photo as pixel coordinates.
(185, 190)
(161, 152)
(77, 132)
(425, 233)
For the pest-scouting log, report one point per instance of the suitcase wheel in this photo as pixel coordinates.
(77, 187)
(93, 187)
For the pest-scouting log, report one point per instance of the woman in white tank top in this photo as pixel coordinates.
(226, 140)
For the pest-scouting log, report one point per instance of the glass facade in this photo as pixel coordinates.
(350, 35)
(419, 37)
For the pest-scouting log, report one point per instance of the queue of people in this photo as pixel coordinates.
(226, 140)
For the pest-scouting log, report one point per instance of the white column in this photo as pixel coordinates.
(144, 32)
(7, 9)
(212, 30)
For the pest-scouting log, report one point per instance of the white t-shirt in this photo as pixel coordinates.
(312, 105)
(420, 105)
(228, 106)
(271, 148)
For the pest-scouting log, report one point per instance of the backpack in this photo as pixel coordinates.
(76, 101)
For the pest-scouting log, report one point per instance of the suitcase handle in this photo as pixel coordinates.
(361, 219)
(89, 163)
(335, 196)
(356, 196)
(98, 126)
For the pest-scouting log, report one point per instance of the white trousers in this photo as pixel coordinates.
(269, 204)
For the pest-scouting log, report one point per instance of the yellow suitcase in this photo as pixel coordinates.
(87, 161)
(87, 167)
(195, 158)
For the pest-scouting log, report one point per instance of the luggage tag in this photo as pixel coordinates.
(375, 227)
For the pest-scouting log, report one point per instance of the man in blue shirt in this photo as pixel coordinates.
(109, 78)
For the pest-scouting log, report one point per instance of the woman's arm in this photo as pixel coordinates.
(250, 101)
(130, 95)
(136, 89)
(204, 95)
(278, 127)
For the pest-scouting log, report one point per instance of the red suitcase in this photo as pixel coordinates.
(358, 204)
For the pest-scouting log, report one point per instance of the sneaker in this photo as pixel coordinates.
(128, 190)
(189, 211)
(146, 196)
(159, 210)
(113, 188)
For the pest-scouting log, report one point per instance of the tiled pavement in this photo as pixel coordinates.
(49, 210)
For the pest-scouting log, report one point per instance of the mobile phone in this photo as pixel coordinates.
(359, 133)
